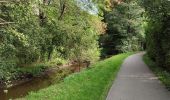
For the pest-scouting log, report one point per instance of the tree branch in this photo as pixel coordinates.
(62, 8)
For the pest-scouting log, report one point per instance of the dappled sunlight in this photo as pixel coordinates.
(145, 78)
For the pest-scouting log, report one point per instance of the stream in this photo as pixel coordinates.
(34, 84)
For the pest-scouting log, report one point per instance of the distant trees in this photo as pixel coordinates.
(125, 26)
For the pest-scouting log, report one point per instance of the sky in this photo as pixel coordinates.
(88, 5)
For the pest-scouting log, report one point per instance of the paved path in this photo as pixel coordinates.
(136, 82)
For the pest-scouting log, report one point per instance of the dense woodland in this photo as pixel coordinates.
(42, 33)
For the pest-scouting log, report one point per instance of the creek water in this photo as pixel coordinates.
(34, 84)
(23, 89)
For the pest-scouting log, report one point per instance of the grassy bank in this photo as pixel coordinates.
(91, 84)
(162, 74)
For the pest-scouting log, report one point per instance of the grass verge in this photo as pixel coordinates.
(162, 74)
(91, 84)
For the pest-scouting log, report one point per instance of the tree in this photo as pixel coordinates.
(45, 31)
(158, 30)
(125, 27)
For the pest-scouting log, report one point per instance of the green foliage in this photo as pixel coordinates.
(7, 71)
(125, 24)
(61, 74)
(48, 33)
(162, 74)
(77, 86)
(157, 31)
(33, 70)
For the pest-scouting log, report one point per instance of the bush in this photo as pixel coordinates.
(158, 31)
(7, 71)
(34, 70)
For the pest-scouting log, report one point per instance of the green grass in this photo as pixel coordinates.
(162, 74)
(91, 84)
(33, 70)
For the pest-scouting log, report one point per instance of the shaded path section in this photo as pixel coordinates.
(135, 81)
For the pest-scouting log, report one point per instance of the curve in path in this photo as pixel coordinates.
(135, 81)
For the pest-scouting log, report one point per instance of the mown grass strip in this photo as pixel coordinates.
(91, 84)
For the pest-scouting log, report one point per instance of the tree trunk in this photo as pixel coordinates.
(62, 9)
